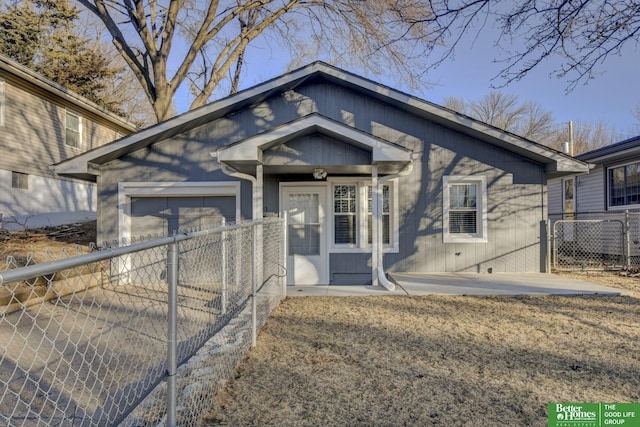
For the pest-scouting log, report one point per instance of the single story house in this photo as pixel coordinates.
(370, 179)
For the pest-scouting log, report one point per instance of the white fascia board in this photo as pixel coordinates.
(251, 148)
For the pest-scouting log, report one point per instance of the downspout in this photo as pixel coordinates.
(382, 277)
(229, 171)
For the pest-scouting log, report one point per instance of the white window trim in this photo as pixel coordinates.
(80, 139)
(608, 189)
(362, 246)
(479, 180)
(127, 190)
(564, 194)
(2, 101)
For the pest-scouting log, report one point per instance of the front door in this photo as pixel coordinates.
(306, 235)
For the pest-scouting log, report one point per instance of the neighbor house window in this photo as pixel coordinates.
(20, 180)
(344, 214)
(73, 132)
(569, 197)
(464, 209)
(386, 214)
(624, 185)
(2, 102)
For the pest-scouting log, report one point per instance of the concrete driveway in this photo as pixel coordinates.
(509, 284)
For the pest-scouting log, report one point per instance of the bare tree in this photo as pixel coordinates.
(582, 33)
(505, 111)
(586, 136)
(530, 120)
(204, 41)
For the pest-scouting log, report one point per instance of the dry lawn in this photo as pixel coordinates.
(435, 360)
(420, 361)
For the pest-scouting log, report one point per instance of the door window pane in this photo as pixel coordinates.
(304, 224)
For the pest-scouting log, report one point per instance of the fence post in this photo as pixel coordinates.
(553, 241)
(547, 243)
(254, 280)
(627, 239)
(223, 273)
(172, 351)
(284, 224)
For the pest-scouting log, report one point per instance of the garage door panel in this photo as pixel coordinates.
(224, 206)
(164, 215)
(148, 225)
(141, 206)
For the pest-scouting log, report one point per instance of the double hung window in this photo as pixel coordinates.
(353, 219)
(465, 209)
(73, 130)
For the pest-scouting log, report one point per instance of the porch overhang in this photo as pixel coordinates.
(244, 155)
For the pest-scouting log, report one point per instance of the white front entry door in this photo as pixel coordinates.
(306, 235)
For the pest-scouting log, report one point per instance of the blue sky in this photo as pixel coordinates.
(610, 98)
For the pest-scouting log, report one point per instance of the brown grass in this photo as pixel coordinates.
(419, 361)
(435, 360)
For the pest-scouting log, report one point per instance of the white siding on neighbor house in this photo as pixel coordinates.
(590, 194)
(554, 191)
(591, 191)
(32, 138)
(46, 202)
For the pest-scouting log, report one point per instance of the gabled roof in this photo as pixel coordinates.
(627, 148)
(556, 163)
(23, 73)
(250, 150)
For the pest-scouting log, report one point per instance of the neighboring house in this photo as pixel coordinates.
(42, 123)
(357, 168)
(612, 186)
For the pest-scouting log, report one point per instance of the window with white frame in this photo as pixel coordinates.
(385, 214)
(464, 209)
(624, 185)
(345, 214)
(73, 130)
(2, 102)
(352, 216)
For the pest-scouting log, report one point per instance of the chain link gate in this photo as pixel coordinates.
(589, 245)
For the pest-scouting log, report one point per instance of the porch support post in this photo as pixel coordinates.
(375, 217)
(258, 193)
(258, 197)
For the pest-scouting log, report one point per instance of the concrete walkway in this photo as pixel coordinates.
(514, 284)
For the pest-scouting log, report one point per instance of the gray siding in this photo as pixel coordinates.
(316, 150)
(516, 187)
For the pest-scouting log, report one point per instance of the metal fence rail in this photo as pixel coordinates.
(595, 240)
(136, 335)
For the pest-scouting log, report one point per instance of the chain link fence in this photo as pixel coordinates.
(595, 241)
(137, 335)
